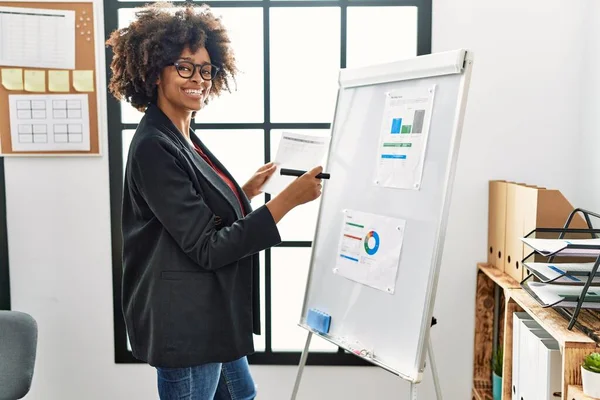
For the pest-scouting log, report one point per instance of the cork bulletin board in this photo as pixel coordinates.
(52, 93)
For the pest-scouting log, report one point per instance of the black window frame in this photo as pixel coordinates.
(115, 128)
(4, 268)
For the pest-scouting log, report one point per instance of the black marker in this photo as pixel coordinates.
(297, 172)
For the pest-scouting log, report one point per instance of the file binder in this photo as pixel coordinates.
(549, 370)
(519, 319)
(528, 359)
(528, 208)
(497, 224)
(514, 232)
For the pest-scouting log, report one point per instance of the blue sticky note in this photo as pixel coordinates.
(396, 125)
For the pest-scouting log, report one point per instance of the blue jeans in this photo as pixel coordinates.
(227, 381)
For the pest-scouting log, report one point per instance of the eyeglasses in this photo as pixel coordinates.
(187, 69)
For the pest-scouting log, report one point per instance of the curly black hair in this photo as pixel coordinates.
(156, 39)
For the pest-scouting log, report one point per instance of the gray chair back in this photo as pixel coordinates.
(18, 346)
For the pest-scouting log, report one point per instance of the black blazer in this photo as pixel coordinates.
(190, 259)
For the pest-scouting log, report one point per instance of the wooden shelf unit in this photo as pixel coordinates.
(574, 344)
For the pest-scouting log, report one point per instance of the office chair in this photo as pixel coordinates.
(18, 346)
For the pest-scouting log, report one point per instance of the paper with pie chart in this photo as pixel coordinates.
(369, 249)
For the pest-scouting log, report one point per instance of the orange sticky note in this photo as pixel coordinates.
(12, 78)
(35, 81)
(83, 81)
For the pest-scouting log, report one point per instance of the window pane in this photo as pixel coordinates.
(240, 151)
(298, 224)
(289, 271)
(371, 30)
(127, 135)
(246, 103)
(260, 340)
(305, 63)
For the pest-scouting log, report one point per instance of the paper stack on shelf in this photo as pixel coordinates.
(562, 273)
(562, 247)
(563, 295)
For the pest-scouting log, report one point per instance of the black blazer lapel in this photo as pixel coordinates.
(214, 160)
(206, 170)
(214, 178)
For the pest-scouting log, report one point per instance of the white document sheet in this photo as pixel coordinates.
(565, 295)
(403, 138)
(369, 249)
(551, 246)
(560, 272)
(296, 151)
(31, 37)
(46, 122)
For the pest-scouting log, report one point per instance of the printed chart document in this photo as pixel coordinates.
(551, 246)
(564, 273)
(31, 37)
(51, 122)
(369, 249)
(296, 151)
(403, 138)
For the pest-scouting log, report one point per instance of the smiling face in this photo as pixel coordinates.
(184, 95)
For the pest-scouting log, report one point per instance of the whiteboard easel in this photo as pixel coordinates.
(400, 340)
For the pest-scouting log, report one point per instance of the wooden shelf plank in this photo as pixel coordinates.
(499, 277)
(482, 394)
(588, 321)
(576, 393)
(551, 321)
(484, 317)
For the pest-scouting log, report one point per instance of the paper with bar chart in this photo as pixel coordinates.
(403, 138)
(369, 249)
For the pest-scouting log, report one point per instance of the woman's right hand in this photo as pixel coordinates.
(302, 190)
(305, 188)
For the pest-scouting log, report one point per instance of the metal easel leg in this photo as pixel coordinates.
(436, 381)
(413, 391)
(301, 366)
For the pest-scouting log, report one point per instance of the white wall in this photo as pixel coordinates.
(589, 195)
(522, 124)
(525, 95)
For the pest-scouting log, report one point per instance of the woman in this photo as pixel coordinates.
(190, 239)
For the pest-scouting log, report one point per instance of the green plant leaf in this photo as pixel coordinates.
(497, 360)
(592, 362)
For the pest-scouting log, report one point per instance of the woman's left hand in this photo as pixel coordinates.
(253, 187)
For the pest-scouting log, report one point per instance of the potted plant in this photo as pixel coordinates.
(497, 373)
(590, 375)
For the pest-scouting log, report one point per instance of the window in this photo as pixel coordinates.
(290, 58)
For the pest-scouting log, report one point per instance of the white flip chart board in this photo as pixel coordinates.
(380, 233)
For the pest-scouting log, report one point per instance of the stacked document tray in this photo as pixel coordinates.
(568, 277)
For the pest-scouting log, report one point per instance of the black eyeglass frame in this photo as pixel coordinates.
(213, 75)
